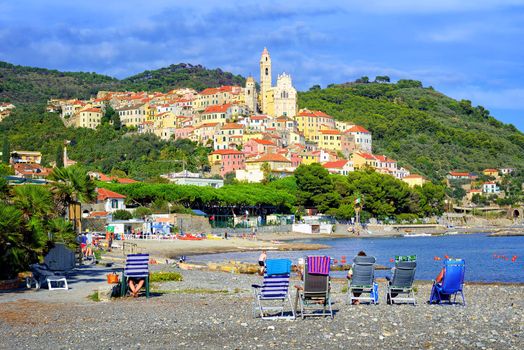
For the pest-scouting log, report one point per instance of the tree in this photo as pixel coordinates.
(59, 156)
(315, 88)
(382, 79)
(314, 187)
(362, 80)
(122, 214)
(141, 212)
(109, 115)
(5, 151)
(117, 124)
(266, 170)
(230, 178)
(71, 186)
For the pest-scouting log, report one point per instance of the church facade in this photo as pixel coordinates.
(279, 100)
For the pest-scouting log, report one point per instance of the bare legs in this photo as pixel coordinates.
(135, 288)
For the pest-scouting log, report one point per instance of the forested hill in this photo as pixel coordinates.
(423, 129)
(19, 84)
(181, 75)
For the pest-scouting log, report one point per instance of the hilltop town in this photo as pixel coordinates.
(246, 127)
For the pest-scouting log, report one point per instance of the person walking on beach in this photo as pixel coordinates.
(262, 262)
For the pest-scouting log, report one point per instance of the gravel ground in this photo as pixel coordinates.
(190, 318)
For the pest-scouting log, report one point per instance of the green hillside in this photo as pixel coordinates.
(19, 84)
(424, 130)
(181, 75)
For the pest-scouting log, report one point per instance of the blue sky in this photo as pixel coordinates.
(466, 49)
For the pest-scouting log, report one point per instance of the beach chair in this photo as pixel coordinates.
(271, 297)
(314, 295)
(452, 283)
(363, 281)
(401, 282)
(137, 266)
(41, 275)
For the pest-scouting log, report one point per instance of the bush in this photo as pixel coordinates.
(122, 215)
(140, 212)
(165, 276)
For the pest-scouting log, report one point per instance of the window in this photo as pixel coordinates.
(114, 204)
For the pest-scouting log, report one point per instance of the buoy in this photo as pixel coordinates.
(446, 256)
(513, 258)
(335, 261)
(391, 260)
(436, 258)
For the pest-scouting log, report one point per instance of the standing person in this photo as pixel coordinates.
(89, 242)
(83, 244)
(225, 235)
(262, 261)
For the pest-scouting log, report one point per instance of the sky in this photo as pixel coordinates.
(468, 49)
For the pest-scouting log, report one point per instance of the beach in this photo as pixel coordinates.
(213, 310)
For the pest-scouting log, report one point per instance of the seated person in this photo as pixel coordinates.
(135, 284)
(350, 275)
(440, 276)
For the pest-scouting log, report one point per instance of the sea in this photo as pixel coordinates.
(488, 259)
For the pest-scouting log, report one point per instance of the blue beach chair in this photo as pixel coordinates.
(137, 266)
(452, 283)
(362, 285)
(272, 295)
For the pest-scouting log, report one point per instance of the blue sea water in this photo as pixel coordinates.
(478, 250)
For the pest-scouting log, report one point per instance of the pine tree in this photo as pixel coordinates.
(59, 156)
(5, 151)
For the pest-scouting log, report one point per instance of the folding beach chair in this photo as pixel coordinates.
(272, 295)
(363, 280)
(137, 266)
(401, 283)
(452, 283)
(314, 295)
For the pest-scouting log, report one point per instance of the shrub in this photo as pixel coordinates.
(165, 276)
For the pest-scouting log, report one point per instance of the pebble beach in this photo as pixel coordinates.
(213, 310)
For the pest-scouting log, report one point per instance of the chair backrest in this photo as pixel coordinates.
(137, 265)
(60, 258)
(363, 271)
(405, 258)
(278, 266)
(453, 275)
(275, 286)
(404, 274)
(316, 284)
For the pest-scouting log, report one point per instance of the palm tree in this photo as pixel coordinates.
(71, 186)
(33, 201)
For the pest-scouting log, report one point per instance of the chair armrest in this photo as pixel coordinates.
(256, 286)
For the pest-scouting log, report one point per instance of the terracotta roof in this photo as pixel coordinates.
(258, 117)
(95, 110)
(31, 169)
(475, 191)
(272, 157)
(226, 151)
(330, 132)
(385, 159)
(217, 109)
(457, 173)
(335, 164)
(104, 194)
(208, 125)
(366, 155)
(264, 142)
(229, 126)
(489, 183)
(209, 91)
(358, 128)
(308, 113)
(95, 214)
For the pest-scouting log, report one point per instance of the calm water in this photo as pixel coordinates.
(476, 249)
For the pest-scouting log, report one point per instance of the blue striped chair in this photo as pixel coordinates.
(137, 266)
(272, 295)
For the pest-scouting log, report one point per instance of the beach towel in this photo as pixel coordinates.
(318, 265)
(278, 266)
